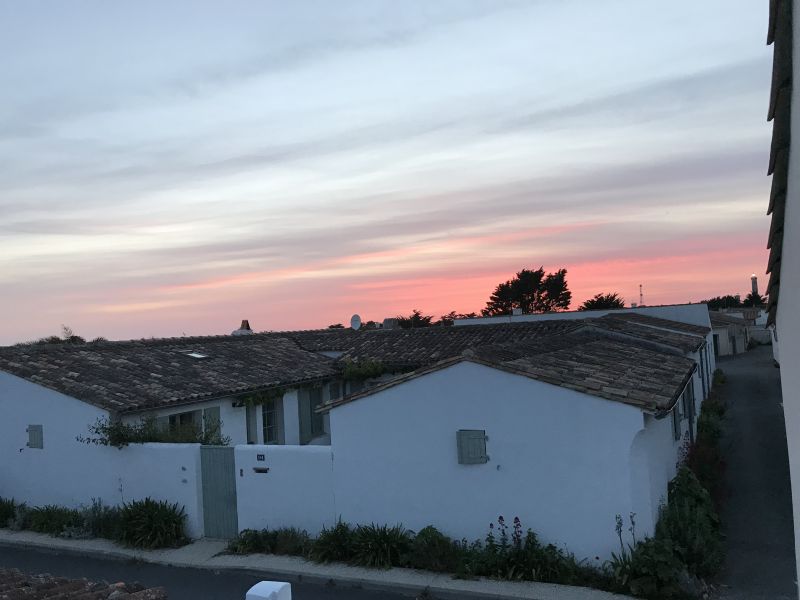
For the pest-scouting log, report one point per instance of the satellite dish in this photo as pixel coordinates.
(355, 322)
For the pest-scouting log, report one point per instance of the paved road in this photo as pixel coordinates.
(181, 583)
(758, 511)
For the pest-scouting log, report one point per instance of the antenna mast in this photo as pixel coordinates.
(641, 296)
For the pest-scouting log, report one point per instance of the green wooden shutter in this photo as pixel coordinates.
(211, 421)
(35, 437)
(471, 446)
(162, 423)
(304, 402)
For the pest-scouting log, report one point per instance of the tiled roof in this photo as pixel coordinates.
(15, 585)
(145, 374)
(583, 361)
(411, 348)
(654, 335)
(137, 375)
(780, 101)
(660, 323)
(719, 319)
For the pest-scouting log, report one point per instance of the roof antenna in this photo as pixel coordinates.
(641, 296)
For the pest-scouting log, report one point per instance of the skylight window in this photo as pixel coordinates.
(196, 355)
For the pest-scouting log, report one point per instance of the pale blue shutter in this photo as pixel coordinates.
(471, 446)
(305, 416)
(35, 437)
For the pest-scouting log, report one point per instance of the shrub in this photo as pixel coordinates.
(433, 551)
(335, 544)
(690, 522)
(292, 542)
(380, 546)
(250, 541)
(108, 432)
(152, 524)
(8, 509)
(649, 569)
(52, 519)
(101, 521)
(719, 377)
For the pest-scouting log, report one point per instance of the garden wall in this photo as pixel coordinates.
(296, 491)
(71, 473)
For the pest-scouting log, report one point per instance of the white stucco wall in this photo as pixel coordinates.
(70, 473)
(296, 492)
(558, 459)
(788, 317)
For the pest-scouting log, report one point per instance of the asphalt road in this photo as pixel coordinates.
(758, 511)
(180, 583)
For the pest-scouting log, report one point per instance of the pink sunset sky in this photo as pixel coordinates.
(173, 168)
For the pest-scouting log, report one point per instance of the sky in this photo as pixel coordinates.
(171, 168)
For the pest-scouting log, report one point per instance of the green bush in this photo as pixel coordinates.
(286, 540)
(380, 546)
(53, 519)
(152, 524)
(433, 551)
(250, 541)
(649, 569)
(333, 545)
(109, 432)
(719, 377)
(292, 542)
(690, 522)
(8, 509)
(101, 521)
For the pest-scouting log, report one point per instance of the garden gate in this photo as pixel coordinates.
(218, 469)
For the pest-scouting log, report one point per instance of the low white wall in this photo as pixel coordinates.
(296, 492)
(70, 473)
(558, 459)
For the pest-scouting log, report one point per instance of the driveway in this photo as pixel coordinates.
(758, 511)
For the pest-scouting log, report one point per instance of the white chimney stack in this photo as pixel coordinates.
(244, 329)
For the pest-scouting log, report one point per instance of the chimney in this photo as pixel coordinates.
(244, 328)
(754, 284)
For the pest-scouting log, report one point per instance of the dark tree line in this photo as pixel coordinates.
(529, 291)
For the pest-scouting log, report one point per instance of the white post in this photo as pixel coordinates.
(270, 590)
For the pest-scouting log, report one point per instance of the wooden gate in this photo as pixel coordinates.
(218, 469)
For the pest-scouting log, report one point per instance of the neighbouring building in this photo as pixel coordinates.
(730, 333)
(563, 423)
(783, 290)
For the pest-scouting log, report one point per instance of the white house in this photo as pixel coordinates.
(730, 333)
(564, 433)
(380, 425)
(783, 289)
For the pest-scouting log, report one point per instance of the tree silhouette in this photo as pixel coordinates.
(414, 320)
(603, 301)
(530, 291)
(719, 302)
(754, 299)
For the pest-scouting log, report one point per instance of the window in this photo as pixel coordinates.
(471, 446)
(197, 355)
(35, 437)
(271, 421)
(212, 421)
(192, 418)
(251, 424)
(676, 421)
(311, 422)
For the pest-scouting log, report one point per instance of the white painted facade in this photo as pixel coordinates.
(730, 340)
(296, 491)
(70, 473)
(786, 343)
(564, 462)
